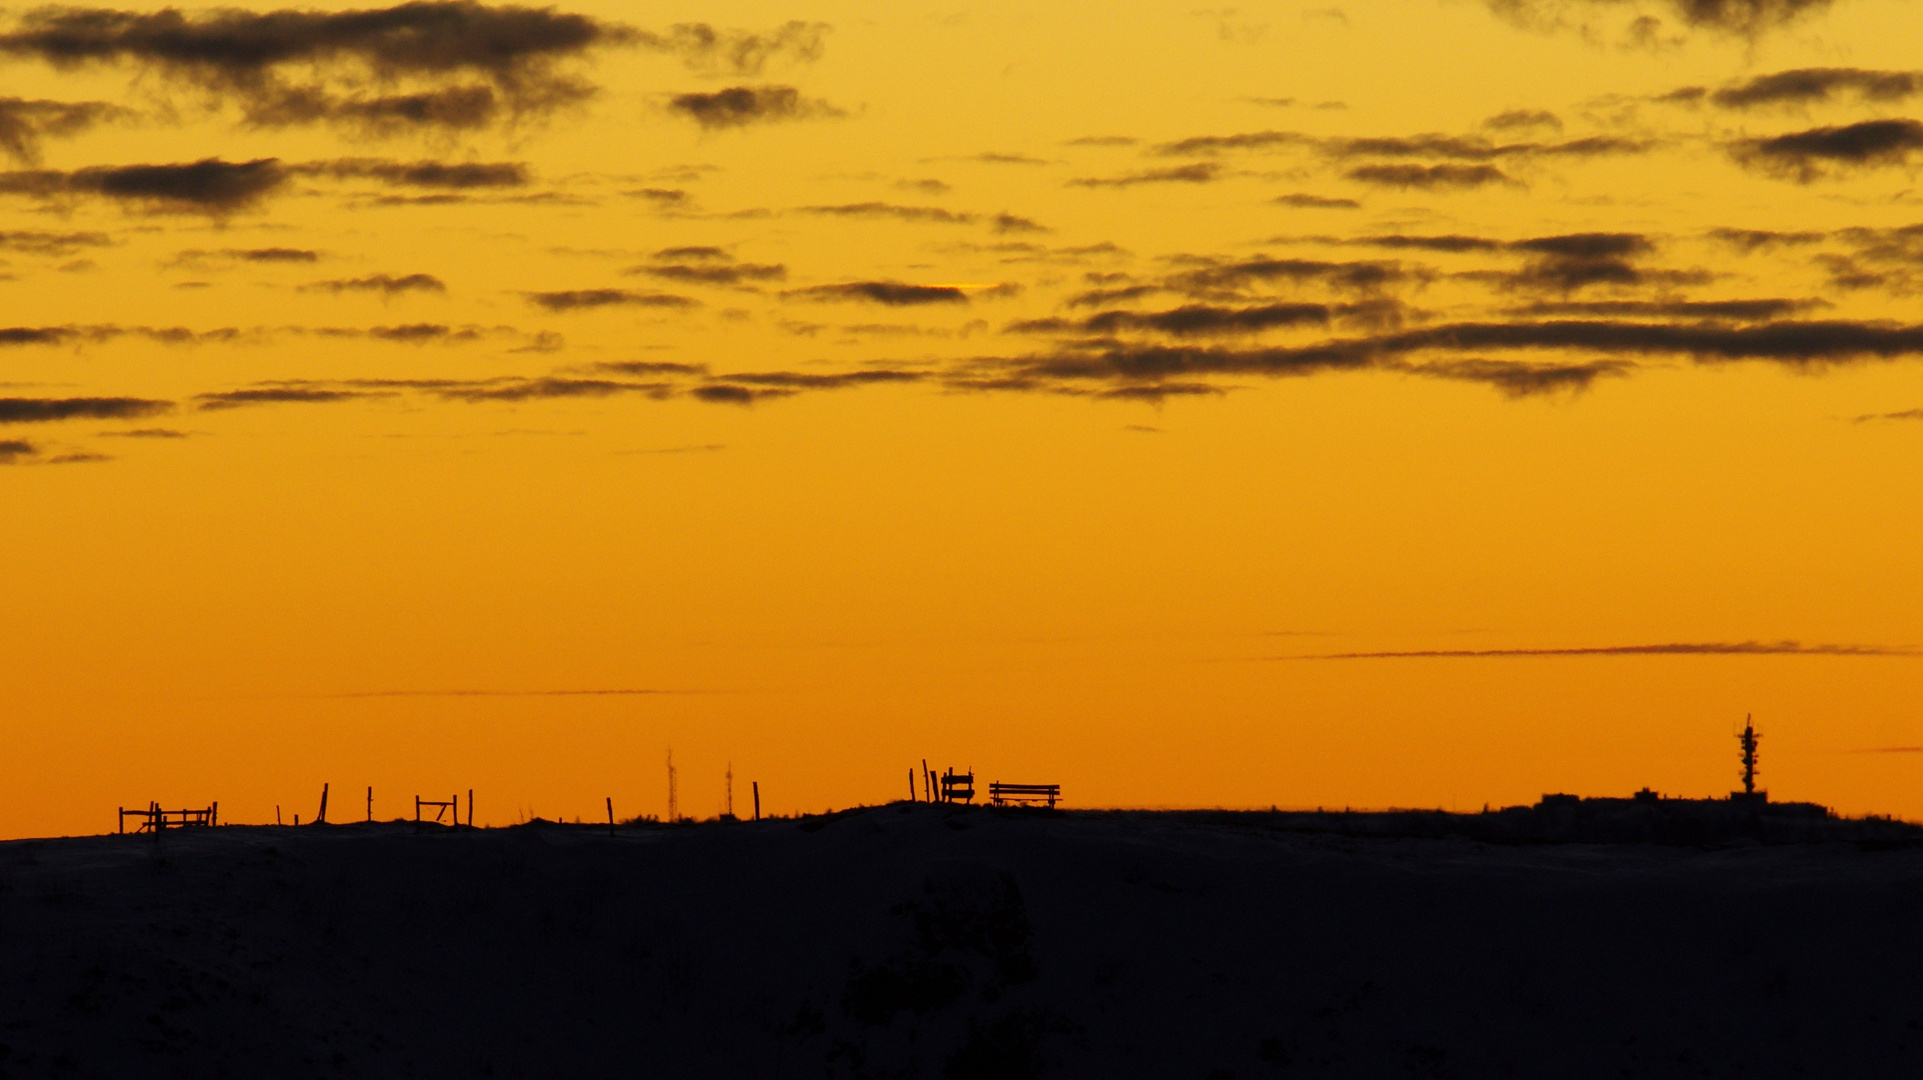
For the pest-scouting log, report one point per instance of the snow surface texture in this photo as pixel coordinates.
(924, 942)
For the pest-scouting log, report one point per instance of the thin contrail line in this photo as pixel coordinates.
(1711, 648)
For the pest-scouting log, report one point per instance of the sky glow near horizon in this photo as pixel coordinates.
(1427, 402)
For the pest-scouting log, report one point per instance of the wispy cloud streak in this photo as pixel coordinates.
(609, 692)
(1708, 648)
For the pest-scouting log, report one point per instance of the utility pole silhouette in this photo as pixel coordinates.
(674, 807)
(1748, 741)
(730, 790)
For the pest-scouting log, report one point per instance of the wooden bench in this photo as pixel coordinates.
(154, 819)
(1002, 794)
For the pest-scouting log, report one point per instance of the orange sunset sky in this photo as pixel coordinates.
(1385, 402)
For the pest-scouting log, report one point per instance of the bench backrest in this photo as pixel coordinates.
(1000, 792)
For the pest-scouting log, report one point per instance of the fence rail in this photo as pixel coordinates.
(152, 818)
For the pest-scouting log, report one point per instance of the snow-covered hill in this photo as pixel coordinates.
(914, 941)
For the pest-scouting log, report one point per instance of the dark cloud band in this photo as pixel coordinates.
(457, 176)
(208, 186)
(1198, 173)
(1455, 352)
(586, 299)
(709, 274)
(704, 48)
(1805, 156)
(1429, 177)
(1469, 148)
(44, 410)
(26, 124)
(1808, 86)
(739, 106)
(385, 284)
(889, 293)
(275, 395)
(216, 187)
(1747, 18)
(37, 242)
(476, 62)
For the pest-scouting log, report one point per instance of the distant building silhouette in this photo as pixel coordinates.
(1650, 816)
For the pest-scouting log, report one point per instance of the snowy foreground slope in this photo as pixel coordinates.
(920, 942)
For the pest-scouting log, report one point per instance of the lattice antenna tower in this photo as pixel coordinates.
(729, 789)
(674, 805)
(1748, 740)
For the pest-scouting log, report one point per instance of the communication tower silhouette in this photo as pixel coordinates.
(1748, 740)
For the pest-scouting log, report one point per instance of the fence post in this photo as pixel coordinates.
(321, 818)
(757, 787)
(470, 810)
(122, 820)
(213, 814)
(370, 802)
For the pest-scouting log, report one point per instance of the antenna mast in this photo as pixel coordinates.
(1748, 741)
(674, 807)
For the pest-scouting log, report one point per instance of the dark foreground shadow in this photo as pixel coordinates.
(961, 944)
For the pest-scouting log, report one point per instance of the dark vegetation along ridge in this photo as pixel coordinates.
(920, 940)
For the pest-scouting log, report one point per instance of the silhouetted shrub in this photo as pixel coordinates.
(874, 995)
(988, 919)
(1008, 1049)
